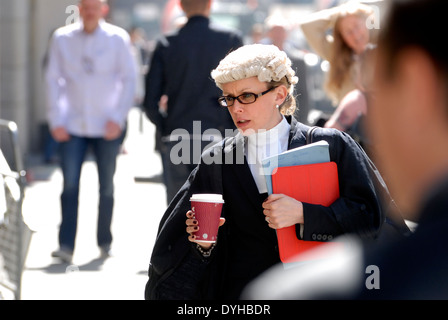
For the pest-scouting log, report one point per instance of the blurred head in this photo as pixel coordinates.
(278, 36)
(91, 12)
(256, 69)
(352, 30)
(257, 32)
(196, 7)
(408, 121)
(277, 30)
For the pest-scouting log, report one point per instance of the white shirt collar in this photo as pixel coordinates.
(101, 25)
(264, 144)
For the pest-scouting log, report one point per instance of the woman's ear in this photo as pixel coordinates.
(281, 93)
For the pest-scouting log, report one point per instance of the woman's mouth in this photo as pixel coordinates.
(242, 123)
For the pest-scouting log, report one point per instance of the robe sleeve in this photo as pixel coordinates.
(358, 209)
(176, 267)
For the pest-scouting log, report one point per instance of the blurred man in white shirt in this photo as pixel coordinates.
(90, 85)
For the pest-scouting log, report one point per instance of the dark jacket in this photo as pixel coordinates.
(246, 245)
(180, 68)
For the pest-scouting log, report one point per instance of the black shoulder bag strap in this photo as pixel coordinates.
(309, 134)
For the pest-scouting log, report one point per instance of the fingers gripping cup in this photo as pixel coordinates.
(206, 208)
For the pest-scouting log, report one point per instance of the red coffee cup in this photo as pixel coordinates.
(206, 208)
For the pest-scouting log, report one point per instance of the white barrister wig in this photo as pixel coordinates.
(266, 62)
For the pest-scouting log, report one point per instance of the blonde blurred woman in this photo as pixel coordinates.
(350, 37)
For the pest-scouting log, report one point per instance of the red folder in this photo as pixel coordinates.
(312, 183)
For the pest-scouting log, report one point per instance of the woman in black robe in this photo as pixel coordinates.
(257, 82)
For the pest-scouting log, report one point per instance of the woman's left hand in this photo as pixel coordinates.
(282, 211)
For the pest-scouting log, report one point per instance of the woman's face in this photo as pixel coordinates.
(354, 32)
(263, 113)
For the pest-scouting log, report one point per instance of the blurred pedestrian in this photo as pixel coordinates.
(350, 37)
(278, 30)
(409, 125)
(91, 86)
(352, 111)
(180, 69)
(257, 83)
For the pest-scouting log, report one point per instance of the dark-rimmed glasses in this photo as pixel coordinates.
(245, 98)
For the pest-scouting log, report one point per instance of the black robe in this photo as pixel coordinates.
(246, 245)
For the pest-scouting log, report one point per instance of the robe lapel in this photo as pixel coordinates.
(297, 138)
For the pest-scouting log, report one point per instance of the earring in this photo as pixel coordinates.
(277, 106)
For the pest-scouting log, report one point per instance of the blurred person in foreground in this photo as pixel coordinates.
(90, 83)
(409, 123)
(257, 84)
(179, 74)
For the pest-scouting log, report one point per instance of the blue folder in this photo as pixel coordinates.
(317, 152)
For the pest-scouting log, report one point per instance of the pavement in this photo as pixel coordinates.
(140, 202)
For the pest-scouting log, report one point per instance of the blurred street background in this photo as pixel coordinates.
(27, 25)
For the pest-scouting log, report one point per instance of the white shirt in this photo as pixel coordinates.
(264, 144)
(90, 79)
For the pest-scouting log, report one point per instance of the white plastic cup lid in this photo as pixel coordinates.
(207, 197)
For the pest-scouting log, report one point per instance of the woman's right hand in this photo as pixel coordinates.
(192, 227)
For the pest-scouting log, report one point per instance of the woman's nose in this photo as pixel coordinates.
(237, 106)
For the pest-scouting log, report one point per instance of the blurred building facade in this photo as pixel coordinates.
(25, 29)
